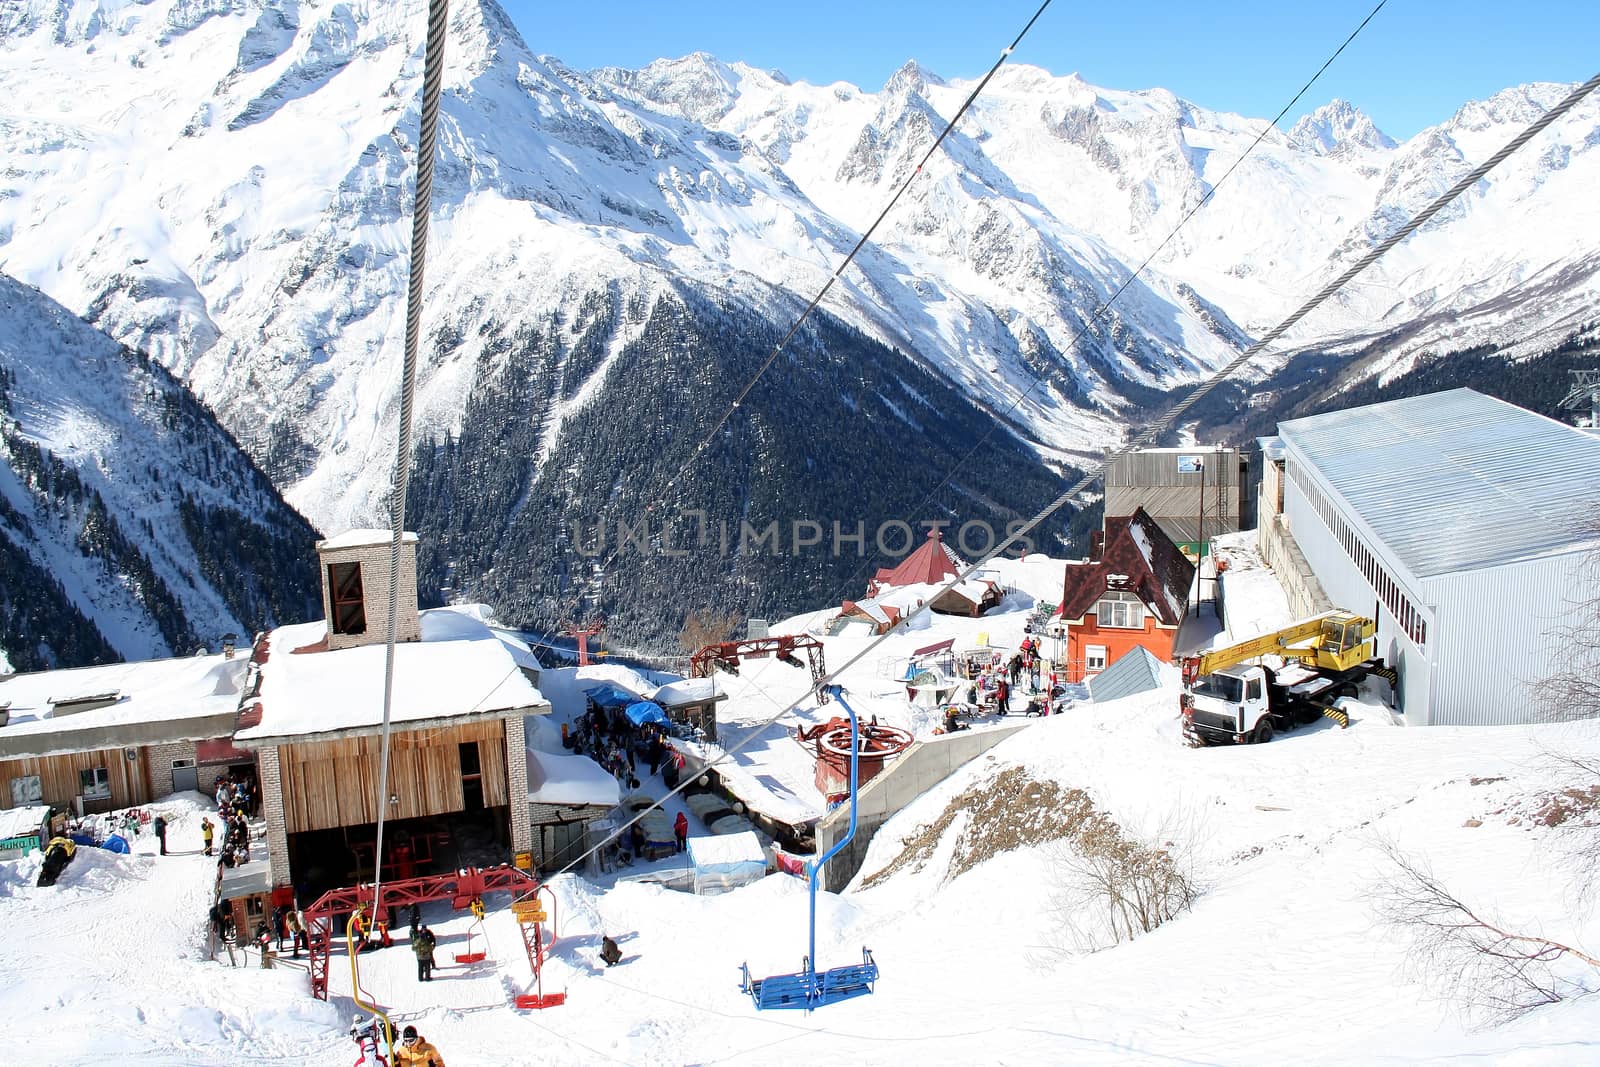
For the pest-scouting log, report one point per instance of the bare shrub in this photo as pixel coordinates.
(1573, 811)
(707, 626)
(1111, 887)
(1574, 692)
(1494, 973)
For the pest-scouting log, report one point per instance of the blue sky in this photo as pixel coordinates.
(1413, 65)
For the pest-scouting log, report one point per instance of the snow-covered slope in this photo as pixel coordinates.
(1282, 958)
(131, 524)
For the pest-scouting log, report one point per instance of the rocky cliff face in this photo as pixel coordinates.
(131, 524)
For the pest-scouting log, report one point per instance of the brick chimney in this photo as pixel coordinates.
(355, 588)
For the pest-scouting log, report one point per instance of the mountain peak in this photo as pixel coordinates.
(911, 78)
(1336, 125)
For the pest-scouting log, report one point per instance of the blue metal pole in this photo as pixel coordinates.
(816, 865)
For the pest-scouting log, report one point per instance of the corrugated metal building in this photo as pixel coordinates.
(1463, 522)
(1193, 493)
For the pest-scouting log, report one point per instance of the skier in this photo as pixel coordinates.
(416, 1050)
(609, 952)
(422, 943)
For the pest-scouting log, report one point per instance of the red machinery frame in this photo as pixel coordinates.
(460, 888)
(726, 656)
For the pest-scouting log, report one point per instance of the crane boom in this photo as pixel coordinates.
(1334, 640)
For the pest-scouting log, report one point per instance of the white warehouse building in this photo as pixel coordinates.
(1464, 523)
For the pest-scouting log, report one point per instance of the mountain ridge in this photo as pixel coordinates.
(241, 213)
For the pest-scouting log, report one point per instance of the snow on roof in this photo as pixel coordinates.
(363, 538)
(1136, 548)
(566, 687)
(152, 691)
(21, 822)
(459, 668)
(1142, 539)
(688, 691)
(727, 850)
(1456, 481)
(555, 778)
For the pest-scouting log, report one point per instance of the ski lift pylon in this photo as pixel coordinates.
(810, 988)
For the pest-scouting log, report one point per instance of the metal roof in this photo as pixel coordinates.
(1458, 481)
(1136, 671)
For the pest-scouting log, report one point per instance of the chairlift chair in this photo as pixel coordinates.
(810, 988)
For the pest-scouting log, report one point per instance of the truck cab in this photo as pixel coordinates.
(1229, 705)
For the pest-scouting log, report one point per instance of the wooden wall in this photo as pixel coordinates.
(330, 784)
(58, 778)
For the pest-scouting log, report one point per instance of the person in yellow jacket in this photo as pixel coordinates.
(414, 1051)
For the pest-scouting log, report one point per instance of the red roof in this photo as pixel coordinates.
(1137, 549)
(933, 563)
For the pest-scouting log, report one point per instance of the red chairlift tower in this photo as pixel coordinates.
(592, 628)
(726, 657)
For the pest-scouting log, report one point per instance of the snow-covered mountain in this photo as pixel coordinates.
(131, 524)
(227, 185)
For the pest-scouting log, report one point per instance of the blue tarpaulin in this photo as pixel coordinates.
(643, 711)
(608, 696)
(116, 843)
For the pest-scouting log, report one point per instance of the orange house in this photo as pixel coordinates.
(1131, 593)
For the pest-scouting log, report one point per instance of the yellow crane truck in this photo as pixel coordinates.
(1229, 700)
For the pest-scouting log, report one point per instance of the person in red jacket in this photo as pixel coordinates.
(680, 827)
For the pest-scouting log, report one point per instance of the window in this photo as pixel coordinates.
(1252, 689)
(349, 606)
(1122, 610)
(94, 782)
(1094, 658)
(26, 790)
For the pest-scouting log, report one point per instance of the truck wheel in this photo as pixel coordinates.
(1263, 732)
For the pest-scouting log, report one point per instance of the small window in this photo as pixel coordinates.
(26, 790)
(348, 604)
(1252, 689)
(1094, 657)
(1121, 610)
(94, 783)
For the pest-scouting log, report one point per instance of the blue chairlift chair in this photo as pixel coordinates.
(810, 988)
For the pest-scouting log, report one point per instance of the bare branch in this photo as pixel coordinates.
(1468, 958)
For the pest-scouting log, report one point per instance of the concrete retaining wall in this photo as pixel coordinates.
(919, 768)
(1278, 549)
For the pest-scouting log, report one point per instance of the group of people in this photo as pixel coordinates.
(235, 839)
(993, 683)
(612, 740)
(237, 792)
(414, 1050)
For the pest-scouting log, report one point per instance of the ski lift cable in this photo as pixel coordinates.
(866, 236)
(1105, 305)
(432, 79)
(1417, 220)
(777, 349)
(1002, 417)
